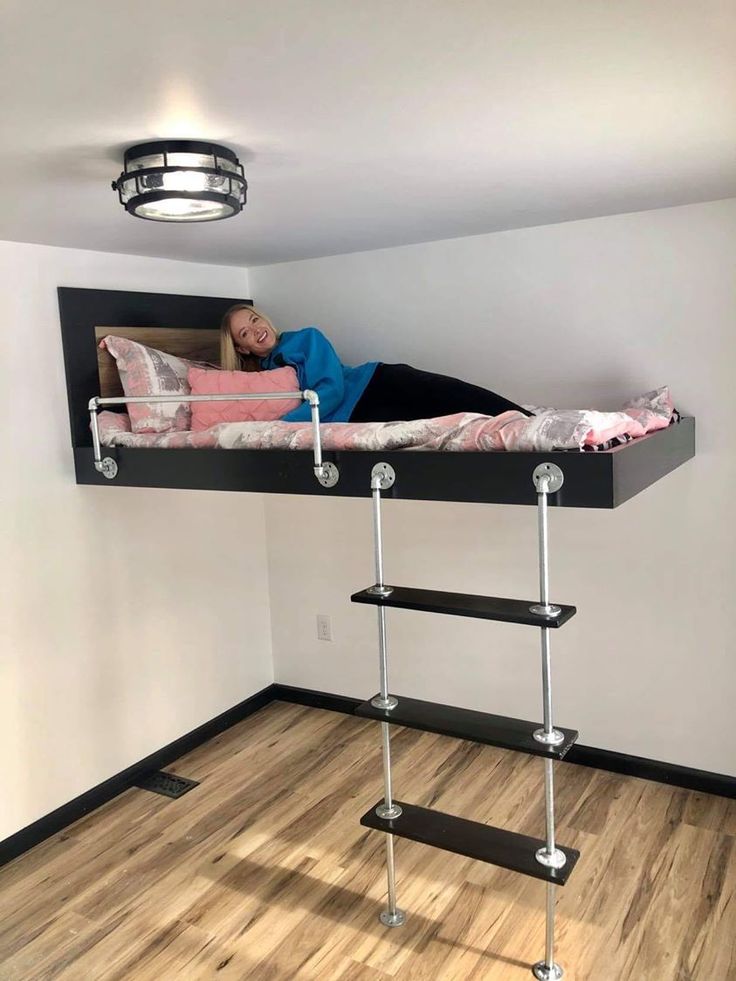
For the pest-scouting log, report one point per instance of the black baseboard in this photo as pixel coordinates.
(65, 815)
(719, 784)
(315, 699)
(688, 778)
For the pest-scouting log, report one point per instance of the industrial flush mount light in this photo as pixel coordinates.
(181, 180)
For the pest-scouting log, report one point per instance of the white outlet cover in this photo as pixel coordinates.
(324, 627)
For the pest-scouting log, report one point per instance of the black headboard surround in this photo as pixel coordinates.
(82, 310)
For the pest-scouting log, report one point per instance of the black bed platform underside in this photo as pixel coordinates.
(592, 480)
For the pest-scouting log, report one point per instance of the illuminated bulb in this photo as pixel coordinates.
(185, 180)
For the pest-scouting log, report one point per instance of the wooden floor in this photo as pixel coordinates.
(264, 872)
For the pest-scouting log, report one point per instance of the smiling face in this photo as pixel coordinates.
(252, 333)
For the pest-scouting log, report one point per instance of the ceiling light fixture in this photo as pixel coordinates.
(181, 180)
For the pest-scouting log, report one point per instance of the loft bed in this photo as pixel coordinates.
(187, 326)
(603, 479)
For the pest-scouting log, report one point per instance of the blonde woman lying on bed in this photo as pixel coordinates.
(371, 392)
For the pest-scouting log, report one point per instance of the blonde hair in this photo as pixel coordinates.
(230, 358)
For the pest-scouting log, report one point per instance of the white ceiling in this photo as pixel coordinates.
(364, 123)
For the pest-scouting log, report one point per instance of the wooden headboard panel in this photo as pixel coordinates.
(179, 324)
(188, 342)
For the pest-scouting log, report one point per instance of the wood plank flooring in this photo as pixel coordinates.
(263, 872)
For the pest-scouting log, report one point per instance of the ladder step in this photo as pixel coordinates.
(477, 727)
(465, 605)
(506, 849)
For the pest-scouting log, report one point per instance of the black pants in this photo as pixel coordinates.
(400, 392)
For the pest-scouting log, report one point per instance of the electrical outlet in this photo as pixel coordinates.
(324, 627)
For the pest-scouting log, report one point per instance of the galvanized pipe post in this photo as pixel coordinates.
(383, 477)
(548, 478)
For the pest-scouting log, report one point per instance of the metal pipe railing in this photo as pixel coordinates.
(326, 473)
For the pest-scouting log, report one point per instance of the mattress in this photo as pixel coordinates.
(545, 430)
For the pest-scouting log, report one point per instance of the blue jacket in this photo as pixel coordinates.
(319, 368)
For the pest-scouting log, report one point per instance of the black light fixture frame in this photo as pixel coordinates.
(237, 183)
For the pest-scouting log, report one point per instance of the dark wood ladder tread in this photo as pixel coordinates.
(477, 727)
(506, 849)
(465, 605)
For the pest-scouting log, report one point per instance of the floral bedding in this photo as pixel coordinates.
(545, 430)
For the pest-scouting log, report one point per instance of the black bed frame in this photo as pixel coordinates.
(593, 480)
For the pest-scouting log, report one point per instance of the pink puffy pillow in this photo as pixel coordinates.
(207, 414)
(146, 371)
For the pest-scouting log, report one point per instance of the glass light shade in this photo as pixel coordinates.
(181, 180)
(183, 209)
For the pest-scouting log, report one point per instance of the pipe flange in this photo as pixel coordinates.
(108, 468)
(550, 610)
(548, 474)
(387, 704)
(389, 813)
(552, 738)
(384, 474)
(396, 918)
(546, 972)
(380, 590)
(329, 475)
(552, 860)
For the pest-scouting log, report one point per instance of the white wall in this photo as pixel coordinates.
(111, 651)
(588, 312)
(128, 616)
